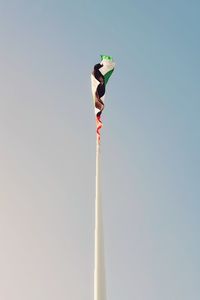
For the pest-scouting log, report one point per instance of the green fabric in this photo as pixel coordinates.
(106, 57)
(107, 76)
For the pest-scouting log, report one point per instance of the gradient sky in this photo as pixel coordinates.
(150, 149)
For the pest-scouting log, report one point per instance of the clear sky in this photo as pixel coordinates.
(150, 149)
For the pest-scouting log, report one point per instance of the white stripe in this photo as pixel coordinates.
(108, 65)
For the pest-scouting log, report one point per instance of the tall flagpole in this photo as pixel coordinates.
(99, 265)
(99, 78)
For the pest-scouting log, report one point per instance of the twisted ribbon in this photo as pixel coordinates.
(100, 91)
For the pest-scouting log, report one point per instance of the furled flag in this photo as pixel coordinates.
(99, 79)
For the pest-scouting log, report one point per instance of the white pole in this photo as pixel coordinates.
(99, 268)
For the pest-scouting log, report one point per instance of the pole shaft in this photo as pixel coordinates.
(99, 271)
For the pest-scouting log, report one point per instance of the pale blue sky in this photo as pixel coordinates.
(150, 149)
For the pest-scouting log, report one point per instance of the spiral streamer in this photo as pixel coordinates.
(99, 78)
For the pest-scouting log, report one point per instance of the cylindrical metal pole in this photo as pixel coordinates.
(99, 270)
